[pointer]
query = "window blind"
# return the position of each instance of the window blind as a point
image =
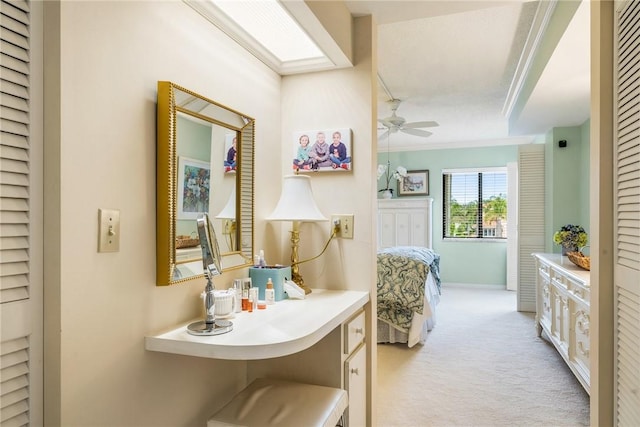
(475, 203)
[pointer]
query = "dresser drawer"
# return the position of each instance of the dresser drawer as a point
(354, 333)
(356, 385)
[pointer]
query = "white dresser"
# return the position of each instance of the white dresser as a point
(562, 310)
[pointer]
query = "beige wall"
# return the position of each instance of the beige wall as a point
(100, 153)
(337, 100)
(111, 56)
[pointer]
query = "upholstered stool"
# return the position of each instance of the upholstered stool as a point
(268, 402)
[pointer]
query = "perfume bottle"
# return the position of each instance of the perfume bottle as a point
(270, 293)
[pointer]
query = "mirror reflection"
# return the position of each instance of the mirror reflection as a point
(205, 165)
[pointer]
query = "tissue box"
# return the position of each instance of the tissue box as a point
(259, 277)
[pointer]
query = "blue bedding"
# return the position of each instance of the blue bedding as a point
(402, 273)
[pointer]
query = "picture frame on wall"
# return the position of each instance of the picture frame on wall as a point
(194, 180)
(322, 150)
(416, 183)
(230, 153)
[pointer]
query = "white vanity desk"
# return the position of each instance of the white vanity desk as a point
(318, 340)
(287, 327)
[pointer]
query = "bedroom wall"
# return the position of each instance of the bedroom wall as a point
(585, 174)
(567, 186)
(567, 198)
(474, 262)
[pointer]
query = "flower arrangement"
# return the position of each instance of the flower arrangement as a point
(385, 170)
(571, 236)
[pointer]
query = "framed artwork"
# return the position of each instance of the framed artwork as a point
(230, 152)
(194, 180)
(322, 150)
(416, 183)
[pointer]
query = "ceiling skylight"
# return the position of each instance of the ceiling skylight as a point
(270, 25)
(287, 36)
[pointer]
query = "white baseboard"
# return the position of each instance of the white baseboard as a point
(473, 286)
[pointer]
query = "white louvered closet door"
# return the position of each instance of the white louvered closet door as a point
(20, 220)
(627, 216)
(530, 221)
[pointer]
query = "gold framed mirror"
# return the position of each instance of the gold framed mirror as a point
(205, 159)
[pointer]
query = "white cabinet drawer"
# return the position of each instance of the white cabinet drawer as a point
(356, 385)
(354, 333)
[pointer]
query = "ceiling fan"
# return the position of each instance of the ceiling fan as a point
(396, 123)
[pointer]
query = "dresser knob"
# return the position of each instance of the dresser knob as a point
(359, 331)
(354, 371)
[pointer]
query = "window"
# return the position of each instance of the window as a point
(475, 203)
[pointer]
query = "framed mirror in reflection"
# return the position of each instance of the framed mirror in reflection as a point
(204, 165)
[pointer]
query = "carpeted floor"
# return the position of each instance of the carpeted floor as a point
(482, 365)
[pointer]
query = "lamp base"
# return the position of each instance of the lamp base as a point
(298, 280)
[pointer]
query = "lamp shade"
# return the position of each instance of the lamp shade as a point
(229, 210)
(296, 201)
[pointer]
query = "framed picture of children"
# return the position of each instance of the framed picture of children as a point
(322, 150)
(230, 152)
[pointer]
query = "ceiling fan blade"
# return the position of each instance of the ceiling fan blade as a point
(426, 124)
(416, 132)
(386, 123)
(384, 135)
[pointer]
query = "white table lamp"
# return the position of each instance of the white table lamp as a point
(297, 205)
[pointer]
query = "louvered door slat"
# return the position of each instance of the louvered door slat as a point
(627, 214)
(13, 179)
(14, 115)
(14, 18)
(13, 384)
(14, 414)
(14, 269)
(14, 89)
(13, 140)
(13, 153)
(15, 78)
(16, 308)
(15, 166)
(530, 222)
(13, 230)
(14, 217)
(13, 191)
(14, 294)
(12, 282)
(11, 49)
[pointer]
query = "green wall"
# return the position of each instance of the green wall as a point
(474, 262)
(195, 143)
(567, 180)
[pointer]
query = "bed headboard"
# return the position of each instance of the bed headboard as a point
(405, 222)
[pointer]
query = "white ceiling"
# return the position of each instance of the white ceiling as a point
(454, 62)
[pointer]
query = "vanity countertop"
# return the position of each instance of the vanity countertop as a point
(287, 327)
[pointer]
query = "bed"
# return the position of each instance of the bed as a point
(408, 291)
(408, 278)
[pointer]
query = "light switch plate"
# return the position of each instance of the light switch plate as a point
(108, 230)
(346, 225)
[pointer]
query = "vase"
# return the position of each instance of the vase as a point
(566, 250)
(386, 194)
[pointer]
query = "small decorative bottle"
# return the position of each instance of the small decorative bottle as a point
(270, 293)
